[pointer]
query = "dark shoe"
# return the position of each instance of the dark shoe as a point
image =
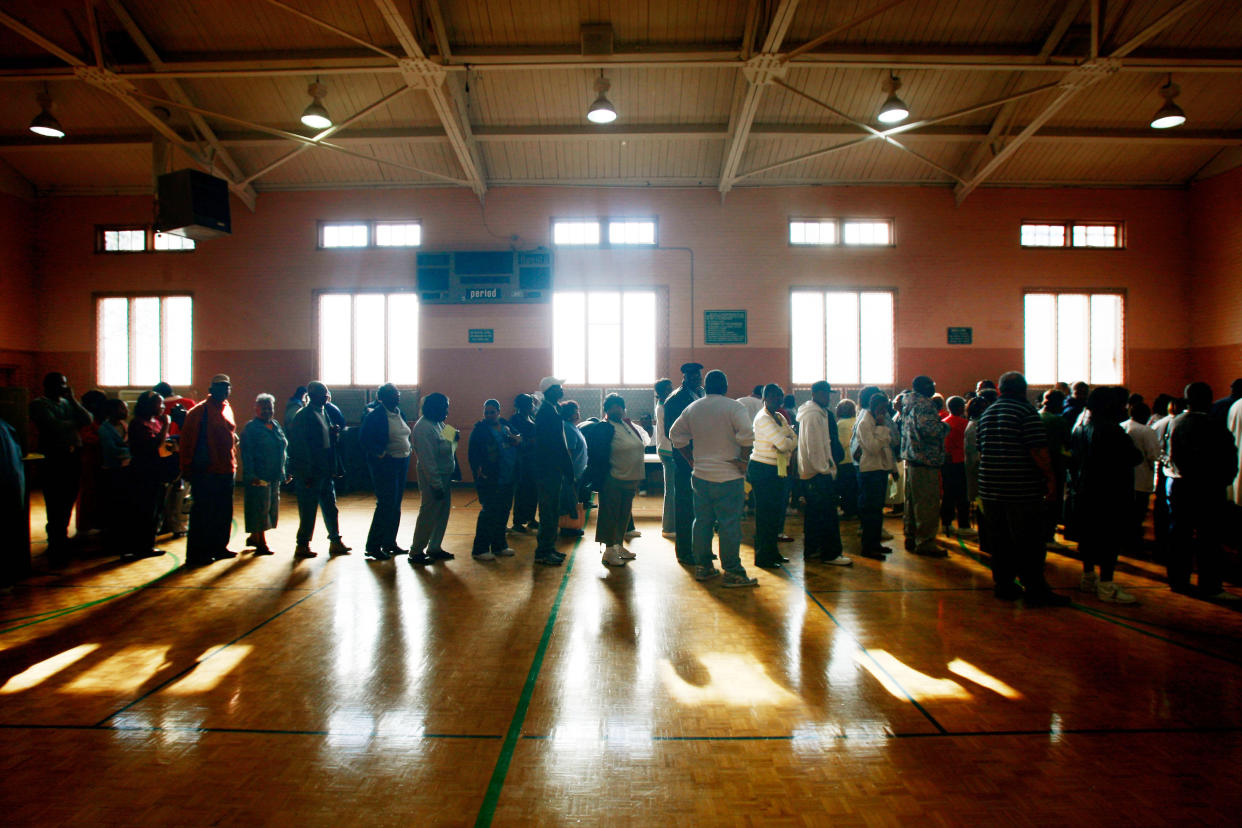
(1007, 592)
(338, 547)
(304, 551)
(377, 555)
(178, 535)
(910, 544)
(784, 539)
(155, 553)
(685, 561)
(874, 554)
(548, 560)
(262, 550)
(223, 554)
(1046, 598)
(419, 559)
(440, 555)
(397, 550)
(195, 563)
(519, 528)
(768, 564)
(930, 550)
(781, 558)
(534, 524)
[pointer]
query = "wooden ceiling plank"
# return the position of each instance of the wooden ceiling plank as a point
(836, 30)
(323, 24)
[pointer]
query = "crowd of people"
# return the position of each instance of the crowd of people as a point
(986, 464)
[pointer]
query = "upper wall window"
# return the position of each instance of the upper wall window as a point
(345, 234)
(368, 338)
(137, 238)
(142, 340)
(622, 232)
(1072, 234)
(1074, 336)
(842, 336)
(834, 232)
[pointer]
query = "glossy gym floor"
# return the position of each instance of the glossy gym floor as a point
(264, 691)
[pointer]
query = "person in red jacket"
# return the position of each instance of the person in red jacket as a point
(208, 461)
(953, 472)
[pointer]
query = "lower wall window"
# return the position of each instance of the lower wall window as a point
(843, 336)
(1074, 336)
(142, 340)
(368, 338)
(604, 337)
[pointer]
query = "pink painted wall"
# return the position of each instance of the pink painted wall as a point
(1215, 286)
(18, 319)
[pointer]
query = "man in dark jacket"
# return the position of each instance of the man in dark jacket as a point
(312, 461)
(677, 402)
(553, 467)
(59, 416)
(385, 441)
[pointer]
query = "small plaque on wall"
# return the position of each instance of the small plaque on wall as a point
(724, 327)
(961, 336)
(482, 335)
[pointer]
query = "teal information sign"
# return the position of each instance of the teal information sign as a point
(482, 335)
(724, 327)
(961, 336)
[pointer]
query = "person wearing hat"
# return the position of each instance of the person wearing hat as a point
(208, 438)
(312, 461)
(553, 468)
(683, 507)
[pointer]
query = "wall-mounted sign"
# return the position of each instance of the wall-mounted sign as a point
(482, 335)
(724, 327)
(961, 336)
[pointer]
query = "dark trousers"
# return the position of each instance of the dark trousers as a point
(62, 476)
(684, 513)
(1160, 516)
(489, 530)
(823, 531)
(1137, 516)
(847, 489)
(1196, 514)
(525, 494)
(145, 503)
(317, 496)
(872, 490)
(769, 490)
(616, 503)
(211, 516)
(114, 511)
(548, 486)
(953, 499)
(1054, 511)
(1016, 540)
(388, 476)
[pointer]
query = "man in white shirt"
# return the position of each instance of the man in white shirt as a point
(819, 451)
(722, 435)
(753, 403)
(1145, 440)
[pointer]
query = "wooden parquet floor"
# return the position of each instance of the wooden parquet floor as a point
(264, 691)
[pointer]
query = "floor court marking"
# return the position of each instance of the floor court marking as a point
(496, 785)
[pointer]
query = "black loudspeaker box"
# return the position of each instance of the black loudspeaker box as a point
(193, 204)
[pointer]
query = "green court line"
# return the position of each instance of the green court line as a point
(60, 613)
(494, 787)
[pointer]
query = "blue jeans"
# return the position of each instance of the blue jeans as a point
(388, 475)
(669, 521)
(718, 505)
(321, 494)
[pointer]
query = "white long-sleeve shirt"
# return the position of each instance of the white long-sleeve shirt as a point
(814, 442)
(774, 438)
(877, 445)
(661, 433)
(1148, 444)
(719, 429)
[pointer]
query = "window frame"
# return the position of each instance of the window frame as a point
(859, 290)
(148, 239)
(372, 226)
(661, 328)
(1069, 225)
(1088, 292)
(97, 296)
(605, 223)
(839, 223)
(318, 293)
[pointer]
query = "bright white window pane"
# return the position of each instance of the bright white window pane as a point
(345, 235)
(812, 232)
(113, 332)
(1043, 235)
(841, 319)
(865, 232)
(639, 338)
(631, 232)
(335, 335)
(125, 241)
(168, 241)
(569, 337)
(403, 338)
(575, 232)
(1073, 337)
(178, 340)
(603, 338)
(398, 234)
(876, 360)
(369, 339)
(806, 325)
(144, 331)
(1105, 340)
(1040, 322)
(1095, 235)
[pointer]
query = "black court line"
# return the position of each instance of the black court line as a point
(212, 654)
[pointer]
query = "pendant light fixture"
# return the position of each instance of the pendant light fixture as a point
(315, 115)
(45, 122)
(894, 110)
(602, 111)
(1170, 115)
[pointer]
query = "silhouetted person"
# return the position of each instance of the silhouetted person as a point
(312, 461)
(208, 461)
(59, 417)
(553, 467)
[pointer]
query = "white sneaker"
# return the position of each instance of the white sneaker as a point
(669, 535)
(633, 533)
(486, 556)
(840, 560)
(1090, 582)
(627, 554)
(612, 556)
(1113, 594)
(505, 553)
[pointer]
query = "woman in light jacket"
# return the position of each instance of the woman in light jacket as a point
(385, 440)
(263, 449)
(615, 467)
(873, 445)
(768, 471)
(435, 444)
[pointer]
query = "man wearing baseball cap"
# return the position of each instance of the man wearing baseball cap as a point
(553, 466)
(208, 437)
(683, 516)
